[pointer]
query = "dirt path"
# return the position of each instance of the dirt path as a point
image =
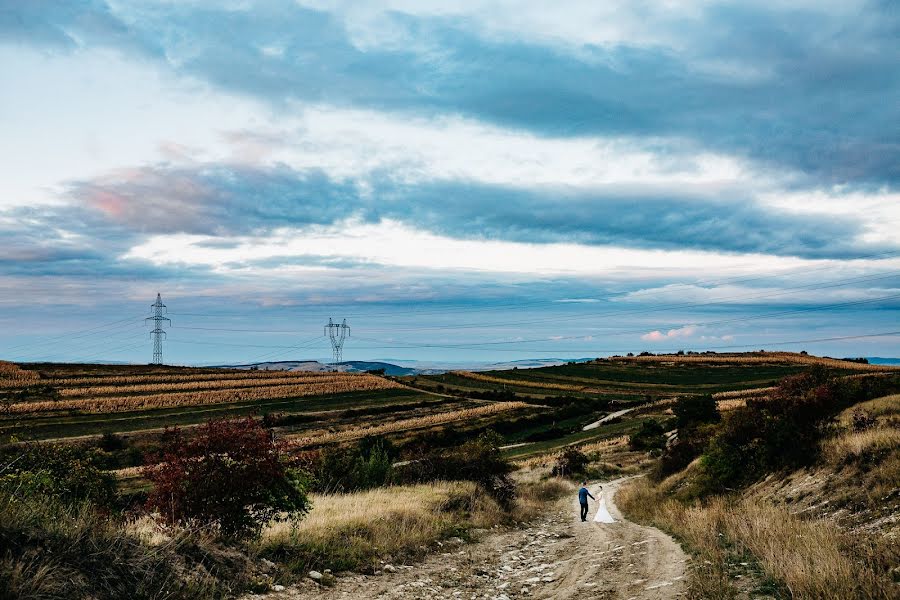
(557, 557)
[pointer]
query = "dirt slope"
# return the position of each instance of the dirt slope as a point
(557, 557)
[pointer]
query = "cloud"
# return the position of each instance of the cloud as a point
(672, 334)
(807, 88)
(230, 199)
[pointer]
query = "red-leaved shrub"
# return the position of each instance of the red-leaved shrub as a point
(229, 474)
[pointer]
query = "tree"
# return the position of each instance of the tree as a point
(231, 475)
(693, 410)
(650, 436)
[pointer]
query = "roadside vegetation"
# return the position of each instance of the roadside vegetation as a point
(792, 495)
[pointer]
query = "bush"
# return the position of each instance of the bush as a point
(691, 410)
(366, 465)
(67, 473)
(691, 443)
(571, 461)
(651, 436)
(231, 475)
(479, 460)
(785, 430)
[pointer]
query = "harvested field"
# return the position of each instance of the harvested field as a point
(327, 384)
(520, 382)
(406, 424)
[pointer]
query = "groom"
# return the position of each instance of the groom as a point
(583, 495)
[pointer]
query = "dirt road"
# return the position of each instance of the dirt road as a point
(557, 557)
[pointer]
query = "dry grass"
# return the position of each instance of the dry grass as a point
(810, 558)
(11, 375)
(750, 393)
(854, 445)
(548, 458)
(246, 382)
(606, 445)
(349, 383)
(175, 378)
(726, 405)
(406, 424)
(879, 408)
(351, 531)
(519, 382)
(756, 358)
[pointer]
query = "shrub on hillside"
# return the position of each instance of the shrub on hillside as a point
(570, 462)
(651, 436)
(692, 410)
(691, 443)
(229, 474)
(479, 460)
(785, 430)
(68, 473)
(362, 466)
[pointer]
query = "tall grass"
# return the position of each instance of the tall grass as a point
(749, 393)
(350, 531)
(50, 550)
(811, 558)
(405, 424)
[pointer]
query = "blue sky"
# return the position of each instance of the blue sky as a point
(461, 181)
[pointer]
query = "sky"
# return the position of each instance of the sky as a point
(461, 181)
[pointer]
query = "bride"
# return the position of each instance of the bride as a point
(602, 515)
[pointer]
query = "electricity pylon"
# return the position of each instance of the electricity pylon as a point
(158, 332)
(337, 334)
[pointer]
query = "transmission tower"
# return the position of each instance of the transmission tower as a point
(337, 334)
(158, 332)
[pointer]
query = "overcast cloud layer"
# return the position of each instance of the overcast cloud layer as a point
(487, 180)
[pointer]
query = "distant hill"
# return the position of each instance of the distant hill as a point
(350, 366)
(410, 367)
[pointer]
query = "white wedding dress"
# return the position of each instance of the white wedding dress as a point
(602, 515)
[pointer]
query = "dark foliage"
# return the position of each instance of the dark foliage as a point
(784, 431)
(229, 474)
(569, 463)
(479, 460)
(693, 410)
(651, 436)
(68, 473)
(862, 420)
(691, 443)
(362, 466)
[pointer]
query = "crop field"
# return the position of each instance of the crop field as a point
(584, 392)
(66, 401)
(534, 410)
